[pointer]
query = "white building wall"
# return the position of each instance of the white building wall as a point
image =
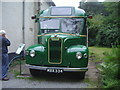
(44, 6)
(29, 23)
(12, 22)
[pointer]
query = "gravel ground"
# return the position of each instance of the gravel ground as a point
(50, 81)
(20, 83)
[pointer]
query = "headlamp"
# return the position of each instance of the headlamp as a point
(32, 53)
(78, 55)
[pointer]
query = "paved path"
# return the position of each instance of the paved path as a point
(49, 81)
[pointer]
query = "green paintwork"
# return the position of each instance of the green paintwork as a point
(71, 44)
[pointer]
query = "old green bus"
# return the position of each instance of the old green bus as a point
(62, 42)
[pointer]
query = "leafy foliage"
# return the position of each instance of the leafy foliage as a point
(104, 30)
(110, 34)
(110, 68)
(104, 27)
(92, 8)
(94, 27)
(110, 39)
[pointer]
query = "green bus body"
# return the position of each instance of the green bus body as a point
(60, 49)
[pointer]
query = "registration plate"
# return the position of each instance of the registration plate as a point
(54, 70)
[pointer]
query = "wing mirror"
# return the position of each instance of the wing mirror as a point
(33, 17)
(90, 16)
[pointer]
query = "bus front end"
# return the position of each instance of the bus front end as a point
(62, 42)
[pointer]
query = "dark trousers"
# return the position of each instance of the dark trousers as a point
(5, 62)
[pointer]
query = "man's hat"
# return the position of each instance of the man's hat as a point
(2, 32)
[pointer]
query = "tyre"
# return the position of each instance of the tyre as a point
(76, 75)
(80, 75)
(34, 72)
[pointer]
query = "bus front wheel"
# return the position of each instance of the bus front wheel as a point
(34, 72)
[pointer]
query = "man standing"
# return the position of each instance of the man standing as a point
(4, 43)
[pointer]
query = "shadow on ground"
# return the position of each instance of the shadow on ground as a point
(63, 77)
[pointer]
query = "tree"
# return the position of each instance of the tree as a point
(94, 25)
(104, 28)
(92, 8)
(110, 31)
(96, 10)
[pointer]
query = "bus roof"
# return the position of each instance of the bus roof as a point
(65, 11)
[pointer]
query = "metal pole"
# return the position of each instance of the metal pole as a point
(20, 66)
(87, 37)
(23, 30)
(23, 21)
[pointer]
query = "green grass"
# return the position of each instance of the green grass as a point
(91, 83)
(108, 59)
(98, 53)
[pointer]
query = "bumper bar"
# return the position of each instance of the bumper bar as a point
(62, 68)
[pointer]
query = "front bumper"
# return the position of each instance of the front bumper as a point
(65, 69)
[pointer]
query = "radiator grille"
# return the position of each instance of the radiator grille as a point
(55, 50)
